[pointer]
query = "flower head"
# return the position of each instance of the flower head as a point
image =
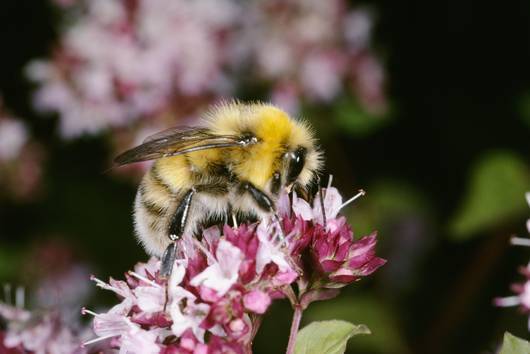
(215, 296)
(324, 246)
(38, 333)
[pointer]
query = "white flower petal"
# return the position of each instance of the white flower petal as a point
(211, 235)
(139, 341)
(332, 205)
(149, 298)
(222, 274)
(192, 318)
(110, 324)
(269, 252)
(301, 208)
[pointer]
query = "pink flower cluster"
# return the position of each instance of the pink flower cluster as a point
(521, 290)
(38, 333)
(319, 49)
(151, 62)
(215, 298)
(120, 60)
(58, 289)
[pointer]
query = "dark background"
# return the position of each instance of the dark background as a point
(457, 75)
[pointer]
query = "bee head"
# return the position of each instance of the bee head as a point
(297, 157)
(301, 163)
(283, 152)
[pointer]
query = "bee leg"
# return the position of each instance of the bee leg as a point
(301, 192)
(263, 201)
(176, 229)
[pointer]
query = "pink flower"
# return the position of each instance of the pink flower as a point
(335, 257)
(20, 158)
(215, 296)
(224, 270)
(13, 136)
(257, 301)
(139, 341)
(39, 334)
(189, 318)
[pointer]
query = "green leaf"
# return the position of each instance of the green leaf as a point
(514, 345)
(379, 317)
(327, 337)
(495, 195)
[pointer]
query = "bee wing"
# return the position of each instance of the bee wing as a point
(174, 133)
(177, 141)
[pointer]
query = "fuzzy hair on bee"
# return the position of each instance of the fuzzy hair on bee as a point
(235, 163)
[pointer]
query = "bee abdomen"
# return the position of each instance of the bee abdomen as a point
(152, 208)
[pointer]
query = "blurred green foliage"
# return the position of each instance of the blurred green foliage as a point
(10, 261)
(385, 200)
(495, 195)
(355, 120)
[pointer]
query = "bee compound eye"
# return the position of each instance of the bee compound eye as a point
(296, 163)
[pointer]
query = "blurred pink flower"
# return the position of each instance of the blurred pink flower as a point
(121, 60)
(38, 333)
(521, 297)
(13, 137)
(57, 291)
(20, 159)
(135, 65)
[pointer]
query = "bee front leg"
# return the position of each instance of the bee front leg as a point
(176, 229)
(262, 200)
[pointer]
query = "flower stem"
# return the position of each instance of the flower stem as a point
(297, 316)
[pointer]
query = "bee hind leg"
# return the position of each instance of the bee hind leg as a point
(176, 229)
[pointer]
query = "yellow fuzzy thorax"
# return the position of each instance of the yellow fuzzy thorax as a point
(274, 129)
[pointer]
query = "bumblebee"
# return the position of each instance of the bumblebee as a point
(236, 163)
